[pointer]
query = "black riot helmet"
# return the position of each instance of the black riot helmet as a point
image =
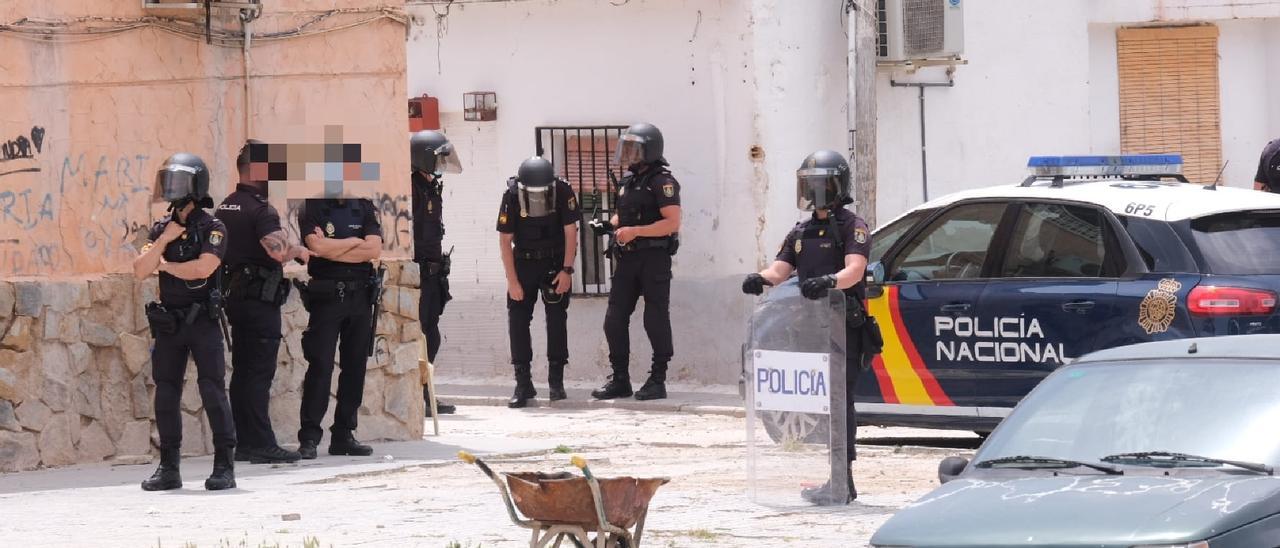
(183, 178)
(535, 187)
(431, 152)
(823, 181)
(639, 145)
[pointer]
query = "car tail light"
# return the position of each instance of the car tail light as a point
(1209, 300)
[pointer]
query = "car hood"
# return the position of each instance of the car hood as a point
(1081, 510)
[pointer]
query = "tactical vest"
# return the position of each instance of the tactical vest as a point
(185, 248)
(638, 204)
(819, 250)
(537, 233)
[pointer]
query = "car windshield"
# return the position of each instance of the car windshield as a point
(1239, 243)
(1223, 409)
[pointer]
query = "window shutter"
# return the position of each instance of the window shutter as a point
(1169, 100)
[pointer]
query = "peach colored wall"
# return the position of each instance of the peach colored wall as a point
(105, 112)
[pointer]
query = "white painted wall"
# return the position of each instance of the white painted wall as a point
(711, 75)
(1041, 79)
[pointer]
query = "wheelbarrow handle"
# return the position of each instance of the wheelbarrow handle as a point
(502, 488)
(598, 499)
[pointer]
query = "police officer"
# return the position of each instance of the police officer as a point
(827, 251)
(344, 238)
(431, 155)
(1268, 176)
(186, 247)
(256, 288)
(647, 221)
(538, 222)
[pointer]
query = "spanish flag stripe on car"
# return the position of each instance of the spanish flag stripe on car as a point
(902, 374)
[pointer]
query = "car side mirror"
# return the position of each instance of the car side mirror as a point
(950, 468)
(875, 279)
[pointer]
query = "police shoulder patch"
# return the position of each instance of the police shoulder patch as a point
(860, 235)
(502, 218)
(573, 203)
(798, 246)
(215, 237)
(669, 190)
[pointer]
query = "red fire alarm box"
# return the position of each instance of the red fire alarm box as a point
(424, 113)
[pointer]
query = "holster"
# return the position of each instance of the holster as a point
(872, 341)
(260, 283)
(161, 320)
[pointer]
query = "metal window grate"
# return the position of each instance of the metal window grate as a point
(922, 26)
(882, 30)
(583, 156)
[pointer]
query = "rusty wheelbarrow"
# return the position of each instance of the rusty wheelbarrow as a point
(564, 506)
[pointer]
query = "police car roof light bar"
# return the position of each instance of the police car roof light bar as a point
(1129, 166)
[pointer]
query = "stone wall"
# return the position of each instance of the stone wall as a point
(75, 372)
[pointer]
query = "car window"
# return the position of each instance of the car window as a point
(1195, 407)
(1239, 243)
(954, 246)
(1159, 245)
(887, 236)
(1057, 241)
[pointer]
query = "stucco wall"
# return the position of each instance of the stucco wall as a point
(107, 111)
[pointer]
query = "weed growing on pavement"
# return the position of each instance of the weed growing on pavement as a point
(563, 449)
(702, 534)
(456, 544)
(792, 445)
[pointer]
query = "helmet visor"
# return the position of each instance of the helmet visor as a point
(817, 188)
(630, 150)
(174, 182)
(536, 201)
(447, 159)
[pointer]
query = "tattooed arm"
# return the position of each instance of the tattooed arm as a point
(281, 249)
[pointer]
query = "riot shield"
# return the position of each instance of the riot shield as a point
(794, 370)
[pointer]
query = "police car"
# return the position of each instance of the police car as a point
(981, 294)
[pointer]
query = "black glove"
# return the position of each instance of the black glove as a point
(816, 288)
(754, 284)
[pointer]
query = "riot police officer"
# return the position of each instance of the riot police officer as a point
(431, 155)
(256, 288)
(1268, 176)
(647, 221)
(344, 237)
(828, 251)
(538, 222)
(186, 247)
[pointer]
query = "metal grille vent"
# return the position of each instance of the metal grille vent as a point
(922, 26)
(882, 30)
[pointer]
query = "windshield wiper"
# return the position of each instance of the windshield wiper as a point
(1167, 457)
(1048, 462)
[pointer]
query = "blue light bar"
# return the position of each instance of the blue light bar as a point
(1096, 166)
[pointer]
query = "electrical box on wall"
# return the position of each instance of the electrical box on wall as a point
(424, 113)
(914, 30)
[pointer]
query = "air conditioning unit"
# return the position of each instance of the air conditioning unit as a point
(916, 30)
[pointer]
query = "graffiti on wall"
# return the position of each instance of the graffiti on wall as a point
(22, 147)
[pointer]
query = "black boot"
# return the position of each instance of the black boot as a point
(166, 476)
(441, 407)
(346, 444)
(271, 455)
(555, 381)
(307, 449)
(822, 496)
(224, 470)
(524, 387)
(619, 386)
(243, 454)
(656, 387)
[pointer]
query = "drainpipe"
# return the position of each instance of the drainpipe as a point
(924, 159)
(246, 23)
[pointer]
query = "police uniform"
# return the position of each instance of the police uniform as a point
(428, 233)
(184, 324)
(814, 250)
(643, 268)
(1269, 167)
(539, 257)
(255, 291)
(340, 301)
